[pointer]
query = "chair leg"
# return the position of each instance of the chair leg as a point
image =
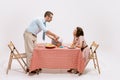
(11, 58)
(21, 59)
(20, 63)
(9, 63)
(97, 63)
(94, 60)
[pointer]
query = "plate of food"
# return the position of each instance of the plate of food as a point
(49, 46)
(71, 47)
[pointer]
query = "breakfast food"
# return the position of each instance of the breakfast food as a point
(72, 46)
(48, 45)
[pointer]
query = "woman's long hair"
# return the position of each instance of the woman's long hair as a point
(79, 32)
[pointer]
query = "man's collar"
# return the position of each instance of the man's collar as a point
(44, 20)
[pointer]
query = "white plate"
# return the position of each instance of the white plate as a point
(69, 47)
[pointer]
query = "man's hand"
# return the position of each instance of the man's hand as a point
(56, 38)
(52, 35)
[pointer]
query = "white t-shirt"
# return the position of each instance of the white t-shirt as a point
(77, 41)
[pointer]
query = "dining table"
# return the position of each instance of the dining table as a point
(62, 57)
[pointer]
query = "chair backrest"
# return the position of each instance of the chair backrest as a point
(13, 49)
(94, 47)
(15, 52)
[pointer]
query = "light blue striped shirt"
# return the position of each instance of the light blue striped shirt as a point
(37, 26)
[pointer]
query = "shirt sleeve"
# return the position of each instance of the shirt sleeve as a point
(41, 25)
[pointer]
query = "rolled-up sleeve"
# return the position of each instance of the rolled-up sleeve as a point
(41, 25)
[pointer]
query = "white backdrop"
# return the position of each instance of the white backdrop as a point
(99, 19)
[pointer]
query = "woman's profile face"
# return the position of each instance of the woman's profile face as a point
(74, 32)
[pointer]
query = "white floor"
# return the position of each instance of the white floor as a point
(109, 64)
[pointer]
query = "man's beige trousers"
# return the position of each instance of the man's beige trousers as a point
(29, 41)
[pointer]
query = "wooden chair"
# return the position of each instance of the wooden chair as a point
(14, 54)
(93, 55)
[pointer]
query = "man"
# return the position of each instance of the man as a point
(30, 34)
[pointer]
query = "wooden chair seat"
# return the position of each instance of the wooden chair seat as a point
(23, 55)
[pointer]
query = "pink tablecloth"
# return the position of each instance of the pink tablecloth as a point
(59, 58)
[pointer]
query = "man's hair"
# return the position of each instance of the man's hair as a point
(79, 32)
(48, 13)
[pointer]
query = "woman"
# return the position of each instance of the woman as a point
(78, 42)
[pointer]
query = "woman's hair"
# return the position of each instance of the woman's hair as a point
(79, 32)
